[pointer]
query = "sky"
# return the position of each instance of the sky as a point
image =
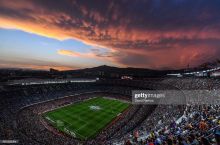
(73, 34)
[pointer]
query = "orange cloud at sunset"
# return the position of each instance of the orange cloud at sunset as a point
(68, 53)
(95, 54)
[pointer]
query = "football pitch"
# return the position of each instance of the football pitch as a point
(85, 119)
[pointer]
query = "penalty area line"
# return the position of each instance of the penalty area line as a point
(74, 131)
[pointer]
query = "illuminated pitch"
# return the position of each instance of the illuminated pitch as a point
(85, 119)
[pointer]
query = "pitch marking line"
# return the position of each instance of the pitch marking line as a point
(69, 125)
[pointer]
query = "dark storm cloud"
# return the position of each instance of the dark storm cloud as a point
(144, 31)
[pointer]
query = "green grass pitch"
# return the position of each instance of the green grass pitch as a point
(85, 119)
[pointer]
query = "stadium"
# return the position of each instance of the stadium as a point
(109, 72)
(101, 112)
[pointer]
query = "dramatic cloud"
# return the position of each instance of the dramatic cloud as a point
(145, 33)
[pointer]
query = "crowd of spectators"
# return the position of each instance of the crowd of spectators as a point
(199, 125)
(190, 124)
